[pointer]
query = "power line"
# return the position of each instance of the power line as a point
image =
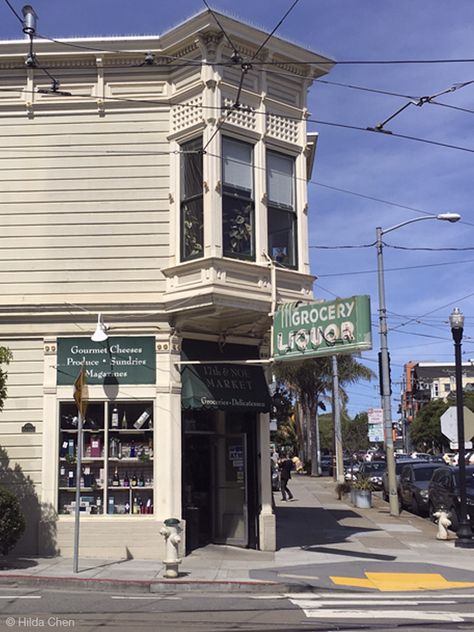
(344, 247)
(13, 11)
(376, 199)
(426, 265)
(270, 35)
(463, 298)
(444, 249)
(317, 121)
(221, 27)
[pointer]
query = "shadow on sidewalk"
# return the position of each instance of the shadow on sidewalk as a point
(9, 563)
(311, 526)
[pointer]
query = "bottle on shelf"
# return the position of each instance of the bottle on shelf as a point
(63, 449)
(135, 506)
(119, 449)
(81, 481)
(62, 476)
(115, 419)
(116, 479)
(126, 480)
(133, 450)
(98, 502)
(113, 448)
(148, 507)
(141, 480)
(70, 478)
(150, 448)
(124, 421)
(146, 414)
(71, 421)
(127, 507)
(134, 481)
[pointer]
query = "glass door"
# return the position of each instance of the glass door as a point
(230, 475)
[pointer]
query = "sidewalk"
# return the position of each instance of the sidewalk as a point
(318, 538)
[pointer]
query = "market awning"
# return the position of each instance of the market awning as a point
(224, 386)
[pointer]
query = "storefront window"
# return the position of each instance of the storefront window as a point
(117, 458)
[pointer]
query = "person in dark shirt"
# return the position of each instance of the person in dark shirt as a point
(285, 465)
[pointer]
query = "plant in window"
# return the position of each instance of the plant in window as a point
(193, 231)
(240, 230)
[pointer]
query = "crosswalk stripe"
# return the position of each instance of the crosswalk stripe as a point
(425, 615)
(20, 596)
(367, 602)
(375, 597)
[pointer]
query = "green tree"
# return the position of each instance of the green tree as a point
(12, 521)
(310, 382)
(425, 431)
(5, 357)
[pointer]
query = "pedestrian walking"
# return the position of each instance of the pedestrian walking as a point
(285, 465)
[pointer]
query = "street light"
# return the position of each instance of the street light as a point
(456, 320)
(384, 356)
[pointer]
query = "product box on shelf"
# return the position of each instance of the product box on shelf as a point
(96, 447)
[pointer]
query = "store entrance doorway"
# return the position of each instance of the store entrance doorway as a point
(218, 503)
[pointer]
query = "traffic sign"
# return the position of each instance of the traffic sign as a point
(449, 424)
(455, 446)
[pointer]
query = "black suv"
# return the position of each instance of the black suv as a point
(443, 493)
(413, 485)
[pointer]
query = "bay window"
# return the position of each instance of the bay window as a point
(238, 222)
(281, 209)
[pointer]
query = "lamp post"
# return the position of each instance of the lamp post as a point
(384, 376)
(456, 320)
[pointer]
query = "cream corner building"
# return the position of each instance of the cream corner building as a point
(167, 192)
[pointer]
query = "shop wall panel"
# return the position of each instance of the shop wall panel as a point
(83, 187)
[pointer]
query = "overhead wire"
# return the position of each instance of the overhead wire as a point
(437, 309)
(289, 117)
(380, 200)
(414, 267)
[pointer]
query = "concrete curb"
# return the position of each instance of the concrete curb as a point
(154, 586)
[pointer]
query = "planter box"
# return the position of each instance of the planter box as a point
(363, 498)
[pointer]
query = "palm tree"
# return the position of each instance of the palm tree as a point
(310, 382)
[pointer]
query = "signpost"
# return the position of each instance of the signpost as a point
(322, 329)
(81, 397)
(376, 425)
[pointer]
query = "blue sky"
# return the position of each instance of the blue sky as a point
(428, 178)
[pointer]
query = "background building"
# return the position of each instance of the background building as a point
(162, 184)
(425, 381)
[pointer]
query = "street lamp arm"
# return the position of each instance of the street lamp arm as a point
(448, 217)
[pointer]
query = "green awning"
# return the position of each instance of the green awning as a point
(222, 386)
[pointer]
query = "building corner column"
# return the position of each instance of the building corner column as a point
(167, 436)
(266, 517)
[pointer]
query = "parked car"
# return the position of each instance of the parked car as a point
(373, 470)
(413, 486)
(326, 464)
(399, 463)
(443, 493)
(436, 458)
(351, 471)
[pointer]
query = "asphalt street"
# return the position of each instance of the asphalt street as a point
(47, 609)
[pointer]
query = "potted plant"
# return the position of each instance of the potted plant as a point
(342, 489)
(362, 492)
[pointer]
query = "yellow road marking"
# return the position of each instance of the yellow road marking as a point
(387, 582)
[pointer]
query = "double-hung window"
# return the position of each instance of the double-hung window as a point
(191, 204)
(281, 209)
(238, 216)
